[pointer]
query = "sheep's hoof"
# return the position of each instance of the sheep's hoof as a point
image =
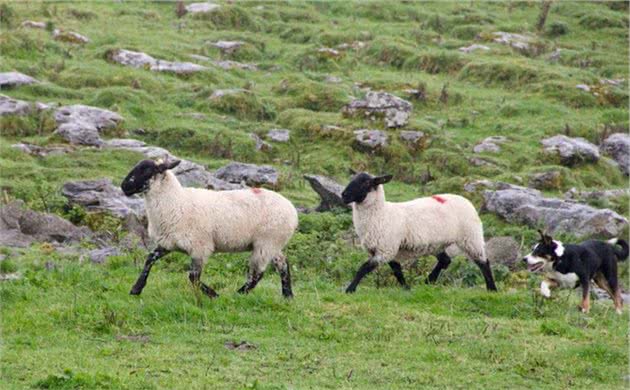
(350, 290)
(288, 295)
(135, 291)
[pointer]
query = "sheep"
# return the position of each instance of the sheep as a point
(390, 231)
(201, 222)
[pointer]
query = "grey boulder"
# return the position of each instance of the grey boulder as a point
(328, 190)
(14, 79)
(250, 174)
(618, 147)
(394, 110)
(571, 151)
(370, 140)
(103, 196)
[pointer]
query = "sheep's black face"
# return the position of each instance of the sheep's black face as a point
(361, 185)
(138, 180)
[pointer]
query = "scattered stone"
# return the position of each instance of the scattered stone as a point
(473, 48)
(279, 135)
(20, 227)
(219, 93)
(99, 256)
(328, 52)
(525, 205)
(618, 147)
(102, 196)
(242, 346)
(490, 145)
(614, 82)
(333, 79)
(575, 194)
(550, 180)
(395, 110)
(504, 250)
(250, 174)
(583, 87)
(370, 140)
(10, 106)
(555, 55)
(9, 277)
(481, 162)
(228, 47)
(199, 58)
(261, 145)
(33, 24)
(572, 151)
(136, 59)
(70, 37)
(516, 41)
(80, 124)
(356, 45)
(229, 65)
(14, 79)
(328, 190)
(201, 8)
(601, 294)
(42, 151)
(413, 138)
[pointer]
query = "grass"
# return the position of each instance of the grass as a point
(76, 327)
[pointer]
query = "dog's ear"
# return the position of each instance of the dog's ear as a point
(547, 239)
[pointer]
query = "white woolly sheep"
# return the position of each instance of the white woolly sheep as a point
(423, 226)
(201, 222)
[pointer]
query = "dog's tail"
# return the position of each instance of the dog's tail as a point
(622, 253)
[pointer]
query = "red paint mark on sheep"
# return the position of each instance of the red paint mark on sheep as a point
(439, 199)
(256, 191)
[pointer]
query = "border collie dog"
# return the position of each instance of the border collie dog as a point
(570, 266)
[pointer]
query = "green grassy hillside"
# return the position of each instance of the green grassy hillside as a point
(67, 324)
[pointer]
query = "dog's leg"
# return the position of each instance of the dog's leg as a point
(607, 280)
(586, 297)
(546, 286)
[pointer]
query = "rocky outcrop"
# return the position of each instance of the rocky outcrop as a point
(20, 227)
(261, 145)
(550, 180)
(279, 135)
(370, 140)
(572, 151)
(249, 174)
(416, 139)
(524, 205)
(10, 106)
(328, 190)
(70, 37)
(201, 8)
(227, 47)
(376, 105)
(102, 196)
(504, 250)
(33, 24)
(618, 147)
(41, 151)
(473, 48)
(136, 59)
(575, 194)
(490, 145)
(14, 79)
(81, 125)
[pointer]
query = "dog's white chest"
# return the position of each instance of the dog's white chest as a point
(565, 280)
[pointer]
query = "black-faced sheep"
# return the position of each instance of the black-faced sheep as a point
(423, 226)
(201, 222)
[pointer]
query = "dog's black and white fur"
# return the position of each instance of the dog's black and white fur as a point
(570, 266)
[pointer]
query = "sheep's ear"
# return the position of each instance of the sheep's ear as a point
(382, 179)
(168, 165)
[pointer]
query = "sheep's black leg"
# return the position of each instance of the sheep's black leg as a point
(285, 278)
(195, 278)
(365, 269)
(395, 266)
(484, 266)
(142, 279)
(443, 262)
(252, 281)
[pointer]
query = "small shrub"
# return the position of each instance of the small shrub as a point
(383, 52)
(596, 22)
(557, 28)
(7, 14)
(439, 62)
(7, 266)
(466, 32)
